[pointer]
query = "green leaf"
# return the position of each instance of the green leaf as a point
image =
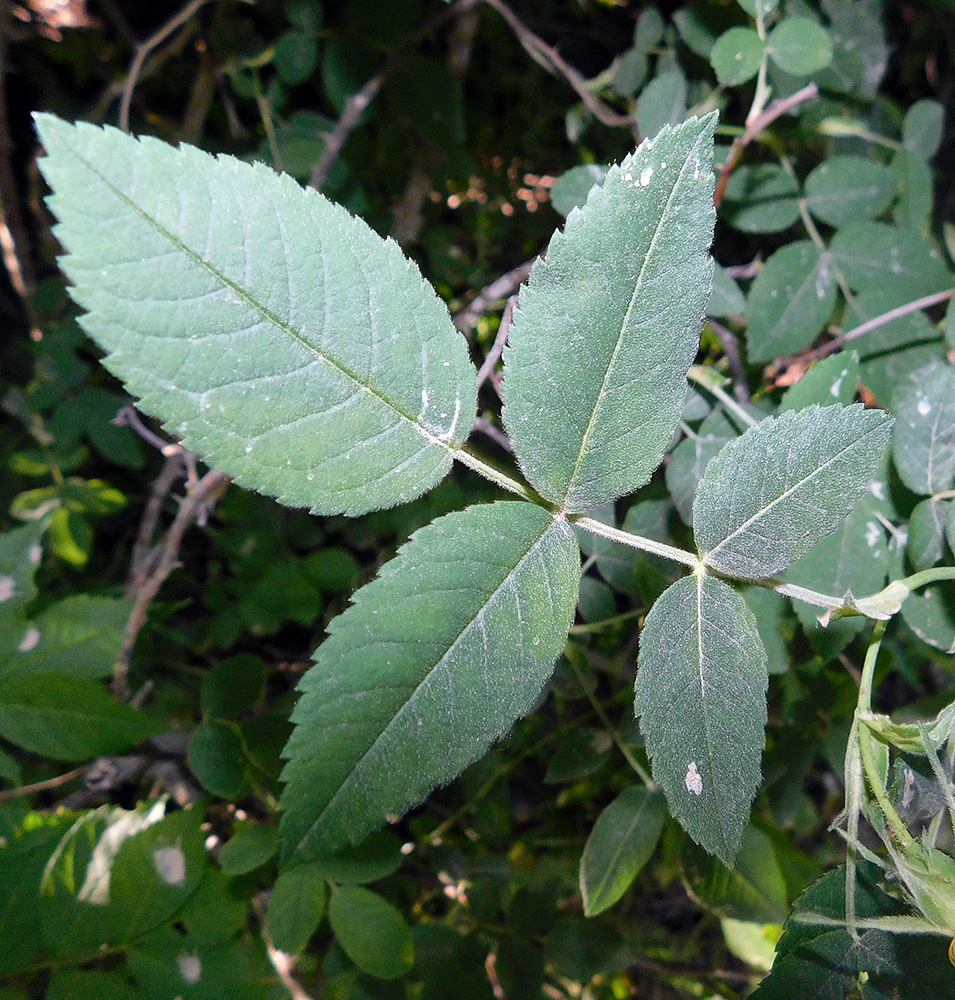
(68, 718)
(930, 614)
(799, 46)
(433, 662)
(700, 695)
(249, 847)
(571, 189)
(922, 128)
(771, 494)
(618, 300)
(833, 379)
(790, 301)
(216, 758)
(916, 185)
(20, 554)
(761, 199)
(296, 907)
(296, 57)
(620, 844)
(874, 256)
(754, 889)
(155, 872)
(824, 961)
(923, 439)
(376, 857)
(727, 298)
(232, 686)
(662, 102)
(846, 189)
(79, 635)
(320, 368)
(581, 753)
(688, 461)
(926, 543)
(736, 56)
(372, 932)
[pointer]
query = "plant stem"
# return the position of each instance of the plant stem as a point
(495, 475)
(704, 379)
(636, 541)
(612, 730)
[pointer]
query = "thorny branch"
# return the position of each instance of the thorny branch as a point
(830, 346)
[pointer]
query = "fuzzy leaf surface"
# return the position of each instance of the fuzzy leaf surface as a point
(434, 661)
(609, 323)
(276, 334)
(786, 483)
(700, 694)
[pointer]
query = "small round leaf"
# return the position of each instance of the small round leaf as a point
(737, 56)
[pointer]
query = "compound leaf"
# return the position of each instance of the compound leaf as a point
(434, 661)
(771, 494)
(700, 695)
(274, 333)
(609, 323)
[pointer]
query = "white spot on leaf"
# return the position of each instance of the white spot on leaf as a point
(646, 177)
(877, 489)
(170, 864)
(693, 779)
(924, 407)
(873, 533)
(190, 967)
(36, 551)
(8, 587)
(30, 639)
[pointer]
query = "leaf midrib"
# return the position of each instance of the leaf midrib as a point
(425, 677)
(257, 306)
(638, 284)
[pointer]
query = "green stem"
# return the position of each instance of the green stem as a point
(703, 377)
(612, 730)
(495, 475)
(636, 541)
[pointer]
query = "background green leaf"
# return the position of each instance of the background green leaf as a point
(790, 300)
(296, 907)
(620, 844)
(737, 55)
(923, 439)
(604, 305)
(68, 718)
(372, 932)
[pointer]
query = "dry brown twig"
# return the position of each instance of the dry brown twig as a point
(551, 60)
(151, 565)
(145, 47)
(357, 103)
(759, 124)
(831, 346)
